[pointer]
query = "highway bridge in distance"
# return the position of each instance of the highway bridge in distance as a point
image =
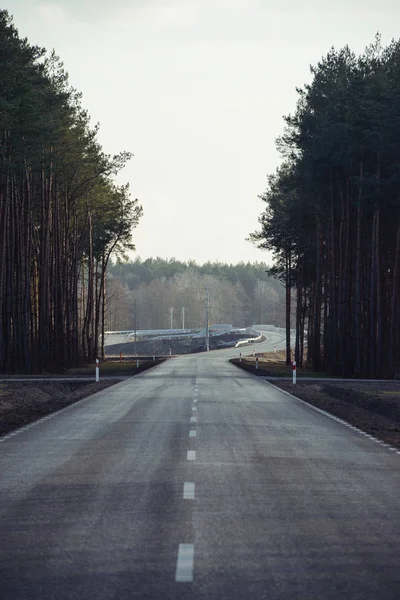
(197, 481)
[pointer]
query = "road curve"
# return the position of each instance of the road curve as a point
(195, 480)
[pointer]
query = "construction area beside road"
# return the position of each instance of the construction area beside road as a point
(185, 345)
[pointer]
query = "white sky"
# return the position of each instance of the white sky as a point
(196, 89)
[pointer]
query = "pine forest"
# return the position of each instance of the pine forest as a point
(61, 214)
(331, 219)
(332, 213)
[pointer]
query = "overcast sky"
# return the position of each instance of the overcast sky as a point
(196, 89)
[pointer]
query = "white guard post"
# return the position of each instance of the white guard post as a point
(137, 362)
(97, 370)
(154, 356)
(240, 357)
(274, 348)
(294, 371)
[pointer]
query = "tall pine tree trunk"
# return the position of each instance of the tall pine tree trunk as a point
(394, 309)
(288, 304)
(357, 277)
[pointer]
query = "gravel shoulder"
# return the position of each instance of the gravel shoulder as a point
(24, 402)
(372, 406)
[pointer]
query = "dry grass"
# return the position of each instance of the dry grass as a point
(278, 356)
(114, 368)
(273, 364)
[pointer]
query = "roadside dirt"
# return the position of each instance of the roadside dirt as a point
(24, 402)
(371, 406)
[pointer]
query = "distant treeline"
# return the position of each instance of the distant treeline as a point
(61, 214)
(332, 214)
(240, 294)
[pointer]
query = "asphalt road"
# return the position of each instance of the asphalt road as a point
(195, 480)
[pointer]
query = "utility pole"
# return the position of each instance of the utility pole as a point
(183, 317)
(171, 310)
(207, 321)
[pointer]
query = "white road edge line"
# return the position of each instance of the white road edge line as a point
(324, 412)
(184, 563)
(7, 436)
(188, 490)
(191, 454)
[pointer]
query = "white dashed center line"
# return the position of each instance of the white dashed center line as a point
(191, 454)
(184, 563)
(194, 408)
(192, 433)
(188, 490)
(193, 419)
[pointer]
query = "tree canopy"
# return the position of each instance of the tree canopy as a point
(62, 216)
(332, 214)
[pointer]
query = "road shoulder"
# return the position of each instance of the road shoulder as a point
(373, 407)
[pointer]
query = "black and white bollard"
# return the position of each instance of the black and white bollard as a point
(137, 362)
(97, 370)
(274, 348)
(240, 357)
(294, 371)
(257, 362)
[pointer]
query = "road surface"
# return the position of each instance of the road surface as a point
(195, 480)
